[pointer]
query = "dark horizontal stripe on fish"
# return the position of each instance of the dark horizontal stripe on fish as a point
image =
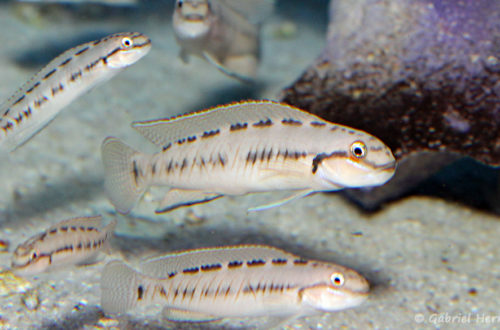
(300, 262)
(66, 61)
(193, 270)
(263, 123)
(291, 121)
(206, 268)
(81, 51)
(279, 261)
(19, 100)
(238, 126)
(210, 133)
(49, 74)
(256, 262)
(317, 124)
(234, 264)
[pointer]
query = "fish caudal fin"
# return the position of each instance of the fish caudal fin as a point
(119, 291)
(121, 182)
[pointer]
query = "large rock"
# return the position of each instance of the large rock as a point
(422, 75)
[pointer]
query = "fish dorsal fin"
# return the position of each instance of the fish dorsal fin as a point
(169, 264)
(256, 11)
(95, 222)
(164, 132)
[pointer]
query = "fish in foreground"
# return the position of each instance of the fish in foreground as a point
(70, 242)
(253, 146)
(224, 32)
(234, 281)
(64, 79)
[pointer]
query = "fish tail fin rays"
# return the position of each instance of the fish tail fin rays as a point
(109, 229)
(121, 175)
(118, 288)
(295, 195)
(176, 198)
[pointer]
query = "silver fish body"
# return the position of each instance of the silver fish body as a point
(234, 281)
(218, 32)
(70, 242)
(253, 146)
(64, 79)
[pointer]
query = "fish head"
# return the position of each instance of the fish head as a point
(126, 49)
(192, 18)
(28, 260)
(359, 160)
(340, 288)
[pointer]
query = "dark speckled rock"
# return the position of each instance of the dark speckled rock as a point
(422, 75)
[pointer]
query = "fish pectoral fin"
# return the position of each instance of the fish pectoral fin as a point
(295, 195)
(91, 260)
(184, 56)
(212, 60)
(177, 198)
(182, 315)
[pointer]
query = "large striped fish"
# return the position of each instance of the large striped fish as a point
(65, 78)
(234, 281)
(246, 147)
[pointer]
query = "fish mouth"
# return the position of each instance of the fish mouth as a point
(194, 17)
(391, 166)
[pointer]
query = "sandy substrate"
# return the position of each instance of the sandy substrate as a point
(427, 260)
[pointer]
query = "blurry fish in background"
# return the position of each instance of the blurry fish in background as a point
(76, 241)
(117, 3)
(224, 32)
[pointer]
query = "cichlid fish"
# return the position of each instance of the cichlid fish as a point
(70, 242)
(224, 32)
(234, 281)
(64, 79)
(240, 148)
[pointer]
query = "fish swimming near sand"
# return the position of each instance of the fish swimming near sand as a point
(63, 80)
(224, 32)
(70, 242)
(252, 146)
(234, 281)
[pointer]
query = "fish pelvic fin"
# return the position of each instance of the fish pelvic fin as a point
(176, 198)
(120, 288)
(296, 195)
(122, 180)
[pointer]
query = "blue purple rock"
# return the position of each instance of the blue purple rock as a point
(422, 75)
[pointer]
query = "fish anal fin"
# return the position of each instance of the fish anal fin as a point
(294, 195)
(182, 315)
(176, 198)
(227, 71)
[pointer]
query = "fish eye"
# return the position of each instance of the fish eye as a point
(337, 279)
(127, 42)
(34, 256)
(358, 149)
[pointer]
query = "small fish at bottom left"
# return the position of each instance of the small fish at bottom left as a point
(75, 241)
